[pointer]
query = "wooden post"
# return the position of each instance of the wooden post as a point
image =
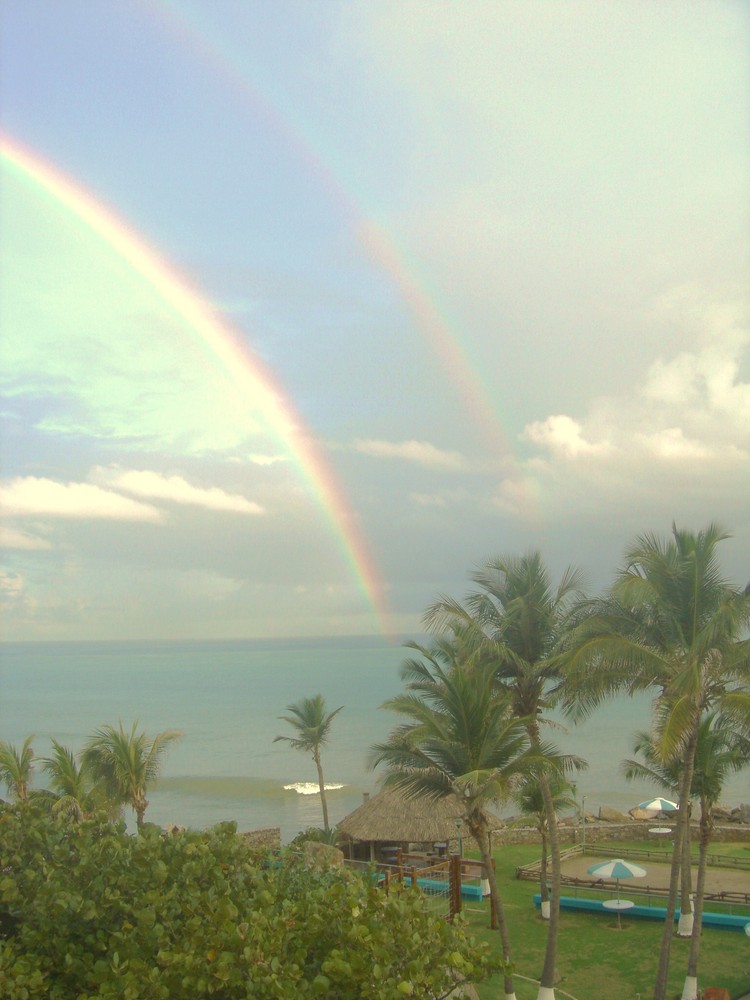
(455, 884)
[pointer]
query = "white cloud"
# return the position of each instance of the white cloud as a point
(706, 384)
(145, 483)
(677, 443)
(11, 538)
(429, 499)
(258, 459)
(11, 587)
(563, 436)
(208, 585)
(692, 405)
(419, 452)
(30, 496)
(671, 444)
(517, 497)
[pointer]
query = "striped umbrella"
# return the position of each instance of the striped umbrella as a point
(659, 805)
(616, 869)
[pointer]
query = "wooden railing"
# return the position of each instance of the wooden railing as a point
(417, 870)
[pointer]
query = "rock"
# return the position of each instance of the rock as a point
(263, 840)
(610, 815)
(744, 813)
(637, 813)
(322, 855)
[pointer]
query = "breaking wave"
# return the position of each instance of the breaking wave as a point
(310, 787)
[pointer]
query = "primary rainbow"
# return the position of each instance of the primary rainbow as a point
(227, 352)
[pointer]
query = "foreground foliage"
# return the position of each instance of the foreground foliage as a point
(95, 912)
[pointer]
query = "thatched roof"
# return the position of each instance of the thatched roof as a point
(391, 817)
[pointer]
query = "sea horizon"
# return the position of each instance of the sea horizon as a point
(226, 697)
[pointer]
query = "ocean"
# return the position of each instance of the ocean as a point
(226, 697)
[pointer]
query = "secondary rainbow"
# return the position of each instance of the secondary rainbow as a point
(246, 373)
(198, 35)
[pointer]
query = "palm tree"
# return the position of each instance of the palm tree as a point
(721, 750)
(665, 775)
(16, 767)
(516, 620)
(670, 622)
(459, 738)
(76, 793)
(127, 763)
(531, 801)
(312, 725)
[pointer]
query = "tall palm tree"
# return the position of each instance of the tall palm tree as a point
(76, 792)
(673, 623)
(127, 763)
(722, 749)
(16, 767)
(459, 737)
(312, 725)
(516, 620)
(651, 767)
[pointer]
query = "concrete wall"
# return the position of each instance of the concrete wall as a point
(597, 831)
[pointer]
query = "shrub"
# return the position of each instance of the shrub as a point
(93, 912)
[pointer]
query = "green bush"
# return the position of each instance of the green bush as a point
(93, 912)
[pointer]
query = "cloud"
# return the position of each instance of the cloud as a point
(153, 485)
(563, 436)
(208, 585)
(679, 439)
(705, 384)
(692, 405)
(419, 452)
(10, 538)
(11, 586)
(257, 459)
(29, 496)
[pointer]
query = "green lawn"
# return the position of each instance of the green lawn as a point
(595, 960)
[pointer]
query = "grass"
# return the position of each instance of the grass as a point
(595, 960)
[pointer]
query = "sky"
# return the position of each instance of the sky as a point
(307, 310)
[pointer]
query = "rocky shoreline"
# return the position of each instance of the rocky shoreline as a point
(730, 824)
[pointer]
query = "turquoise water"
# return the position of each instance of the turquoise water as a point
(226, 698)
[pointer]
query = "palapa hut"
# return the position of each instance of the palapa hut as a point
(389, 819)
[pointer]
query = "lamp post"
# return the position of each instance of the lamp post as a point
(583, 825)
(458, 831)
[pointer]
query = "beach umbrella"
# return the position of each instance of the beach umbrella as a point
(659, 805)
(616, 869)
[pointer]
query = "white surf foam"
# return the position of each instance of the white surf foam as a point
(309, 787)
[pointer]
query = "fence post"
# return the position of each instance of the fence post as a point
(493, 902)
(455, 885)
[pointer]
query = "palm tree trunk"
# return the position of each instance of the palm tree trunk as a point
(140, 811)
(690, 989)
(547, 979)
(322, 786)
(480, 832)
(683, 819)
(685, 924)
(543, 886)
